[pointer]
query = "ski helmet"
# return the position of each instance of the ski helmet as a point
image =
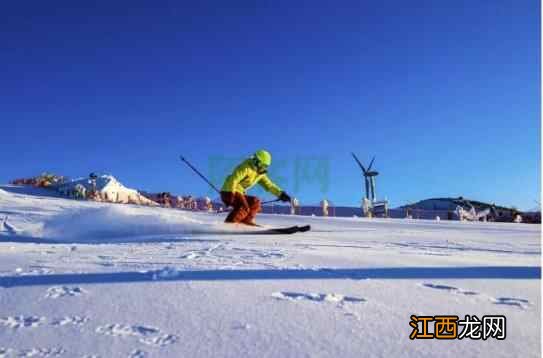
(264, 157)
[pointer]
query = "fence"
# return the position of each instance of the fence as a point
(347, 211)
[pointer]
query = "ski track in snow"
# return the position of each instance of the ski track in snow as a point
(439, 248)
(219, 255)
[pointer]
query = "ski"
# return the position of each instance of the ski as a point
(264, 230)
(285, 230)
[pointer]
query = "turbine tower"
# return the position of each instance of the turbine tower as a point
(369, 178)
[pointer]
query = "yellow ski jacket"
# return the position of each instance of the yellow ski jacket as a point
(245, 176)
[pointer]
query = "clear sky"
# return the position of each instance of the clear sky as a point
(445, 93)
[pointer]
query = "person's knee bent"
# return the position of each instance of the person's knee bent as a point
(254, 203)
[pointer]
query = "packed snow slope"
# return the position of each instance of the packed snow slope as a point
(84, 279)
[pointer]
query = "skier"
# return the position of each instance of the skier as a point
(250, 172)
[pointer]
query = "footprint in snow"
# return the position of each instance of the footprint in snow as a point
(450, 289)
(241, 326)
(316, 297)
(146, 335)
(137, 354)
(17, 322)
(33, 272)
(159, 341)
(123, 330)
(165, 273)
(73, 320)
(510, 301)
(32, 352)
(6, 352)
(63, 291)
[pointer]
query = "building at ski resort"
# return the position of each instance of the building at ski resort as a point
(447, 208)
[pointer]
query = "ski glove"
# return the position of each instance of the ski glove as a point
(284, 197)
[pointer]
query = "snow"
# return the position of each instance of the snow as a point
(87, 279)
(109, 188)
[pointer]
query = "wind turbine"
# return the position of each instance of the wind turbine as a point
(369, 178)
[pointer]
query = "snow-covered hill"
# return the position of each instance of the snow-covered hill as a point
(84, 279)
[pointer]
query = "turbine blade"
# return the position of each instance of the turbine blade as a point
(371, 163)
(360, 164)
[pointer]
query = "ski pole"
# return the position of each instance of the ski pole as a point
(270, 201)
(200, 174)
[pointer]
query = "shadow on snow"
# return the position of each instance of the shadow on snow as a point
(108, 240)
(473, 272)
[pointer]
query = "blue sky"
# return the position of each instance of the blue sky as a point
(445, 93)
